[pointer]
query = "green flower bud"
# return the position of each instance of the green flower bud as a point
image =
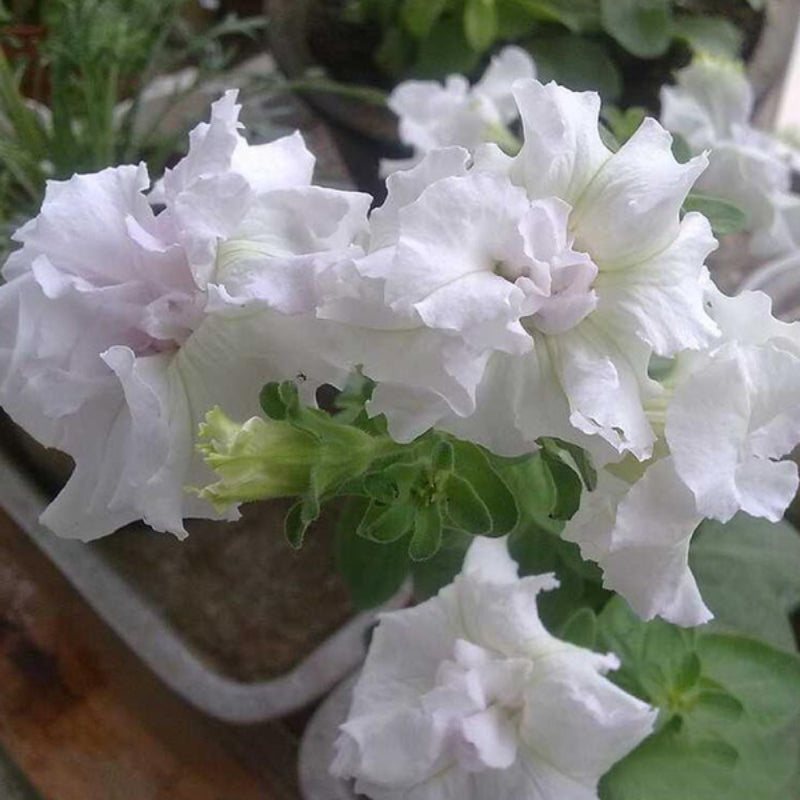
(268, 458)
(260, 459)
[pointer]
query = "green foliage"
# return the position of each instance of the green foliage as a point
(725, 217)
(580, 629)
(424, 500)
(715, 35)
(576, 15)
(681, 149)
(480, 23)
(419, 16)
(643, 27)
(577, 62)
(441, 569)
(89, 73)
(418, 490)
(748, 571)
(538, 548)
(575, 42)
(373, 571)
(623, 124)
(445, 51)
(728, 708)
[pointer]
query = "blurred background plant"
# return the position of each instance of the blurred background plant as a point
(76, 80)
(584, 44)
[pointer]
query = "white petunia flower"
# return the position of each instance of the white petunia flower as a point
(468, 696)
(710, 107)
(729, 416)
(120, 328)
(432, 115)
(556, 272)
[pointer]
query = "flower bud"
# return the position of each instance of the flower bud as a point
(268, 458)
(259, 459)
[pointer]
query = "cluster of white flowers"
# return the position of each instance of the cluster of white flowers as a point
(499, 298)
(726, 417)
(432, 115)
(468, 696)
(559, 292)
(711, 107)
(120, 327)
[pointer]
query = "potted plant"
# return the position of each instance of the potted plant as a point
(546, 416)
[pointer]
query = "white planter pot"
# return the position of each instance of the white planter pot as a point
(316, 748)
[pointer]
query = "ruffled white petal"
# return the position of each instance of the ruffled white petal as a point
(579, 724)
(511, 64)
(747, 318)
(726, 424)
(661, 300)
(468, 696)
(712, 97)
(605, 384)
(640, 537)
(210, 190)
(433, 115)
(630, 211)
(286, 239)
(710, 107)
(404, 187)
(562, 150)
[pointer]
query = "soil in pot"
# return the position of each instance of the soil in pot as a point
(243, 599)
(247, 604)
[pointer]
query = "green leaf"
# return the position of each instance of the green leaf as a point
(568, 486)
(373, 572)
(294, 526)
(725, 217)
(580, 629)
(680, 149)
(729, 711)
(531, 482)
(394, 52)
(427, 533)
(715, 35)
(668, 766)
(271, 401)
(419, 16)
(538, 548)
(513, 21)
(404, 476)
(480, 23)
(576, 62)
(653, 654)
(688, 673)
(575, 457)
(465, 509)
(642, 27)
(379, 486)
(579, 16)
(625, 123)
(445, 51)
(765, 680)
(443, 457)
(386, 523)
(350, 405)
(474, 467)
(748, 571)
(441, 569)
